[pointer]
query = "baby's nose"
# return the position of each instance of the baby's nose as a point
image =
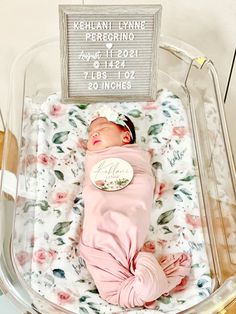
(95, 134)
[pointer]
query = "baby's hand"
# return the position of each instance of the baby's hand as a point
(82, 144)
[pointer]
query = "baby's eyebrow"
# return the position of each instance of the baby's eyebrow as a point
(100, 126)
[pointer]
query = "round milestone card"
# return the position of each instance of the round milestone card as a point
(111, 174)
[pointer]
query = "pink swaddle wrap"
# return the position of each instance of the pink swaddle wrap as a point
(114, 230)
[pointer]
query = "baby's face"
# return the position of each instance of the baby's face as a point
(103, 134)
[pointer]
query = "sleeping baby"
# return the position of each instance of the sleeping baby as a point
(116, 219)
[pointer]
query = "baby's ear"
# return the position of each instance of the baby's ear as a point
(126, 137)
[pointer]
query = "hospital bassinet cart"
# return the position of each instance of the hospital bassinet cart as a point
(192, 77)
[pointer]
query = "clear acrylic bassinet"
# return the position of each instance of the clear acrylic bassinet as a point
(192, 77)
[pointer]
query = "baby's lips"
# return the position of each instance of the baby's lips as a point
(96, 141)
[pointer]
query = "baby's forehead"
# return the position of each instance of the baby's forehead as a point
(98, 122)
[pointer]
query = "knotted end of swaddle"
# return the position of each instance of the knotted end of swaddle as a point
(142, 281)
(147, 283)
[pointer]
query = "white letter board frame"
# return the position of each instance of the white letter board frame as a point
(109, 53)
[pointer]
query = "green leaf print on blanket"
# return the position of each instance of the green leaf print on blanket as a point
(83, 310)
(188, 178)
(166, 217)
(155, 129)
(82, 106)
(157, 165)
(165, 299)
(61, 228)
(178, 198)
(166, 113)
(43, 205)
(202, 282)
(59, 273)
(78, 117)
(135, 113)
(73, 113)
(59, 174)
(60, 137)
(72, 122)
(43, 117)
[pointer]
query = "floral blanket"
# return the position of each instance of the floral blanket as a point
(50, 207)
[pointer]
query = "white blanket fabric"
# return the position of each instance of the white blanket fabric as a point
(52, 162)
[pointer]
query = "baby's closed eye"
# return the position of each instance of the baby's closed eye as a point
(97, 130)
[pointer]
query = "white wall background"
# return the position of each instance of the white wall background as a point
(208, 25)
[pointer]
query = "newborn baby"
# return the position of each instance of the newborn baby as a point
(116, 222)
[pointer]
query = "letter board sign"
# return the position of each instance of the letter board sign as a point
(109, 53)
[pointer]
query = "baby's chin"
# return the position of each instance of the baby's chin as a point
(100, 146)
(96, 147)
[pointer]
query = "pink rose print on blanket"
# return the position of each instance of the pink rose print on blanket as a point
(179, 131)
(160, 188)
(46, 160)
(30, 160)
(57, 110)
(60, 197)
(64, 298)
(194, 221)
(63, 194)
(44, 257)
(150, 106)
(23, 257)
